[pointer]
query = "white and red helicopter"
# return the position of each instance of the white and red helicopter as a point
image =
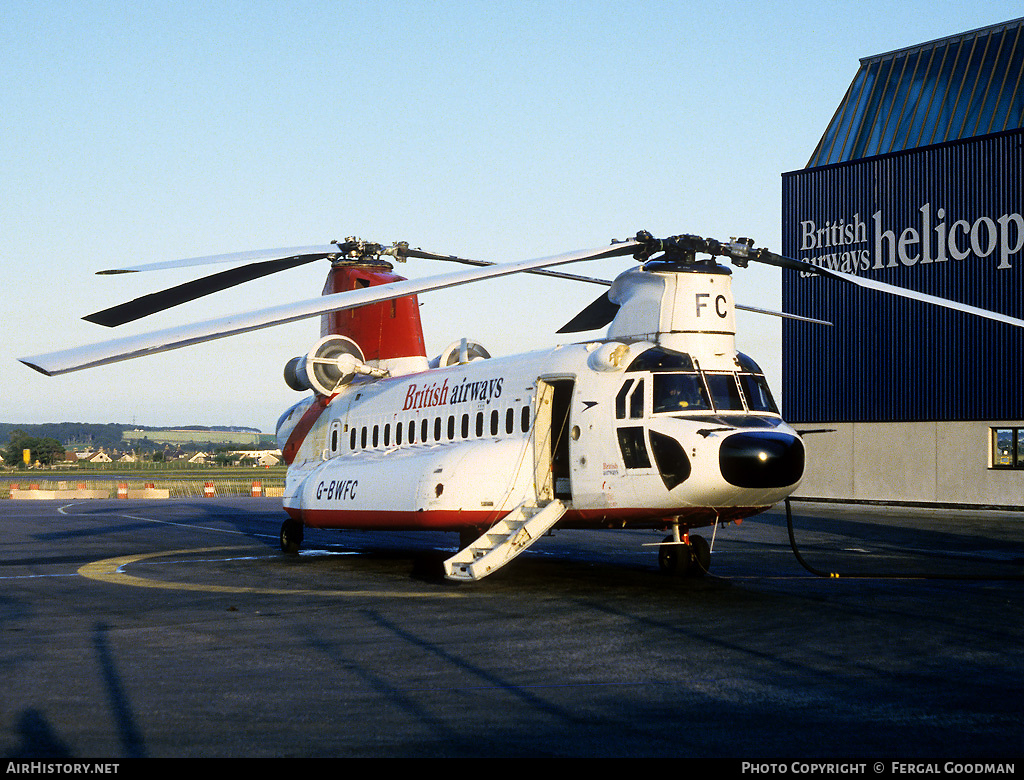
(660, 424)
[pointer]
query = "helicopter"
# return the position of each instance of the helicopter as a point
(660, 424)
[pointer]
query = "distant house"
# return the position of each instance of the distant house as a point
(259, 457)
(267, 458)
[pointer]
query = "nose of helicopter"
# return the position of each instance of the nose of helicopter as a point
(762, 459)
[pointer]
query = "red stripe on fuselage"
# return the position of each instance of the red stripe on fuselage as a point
(457, 519)
(303, 427)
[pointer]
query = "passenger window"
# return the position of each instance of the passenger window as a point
(494, 422)
(510, 420)
(437, 429)
(398, 433)
(525, 421)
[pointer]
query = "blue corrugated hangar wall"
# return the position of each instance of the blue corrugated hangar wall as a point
(916, 182)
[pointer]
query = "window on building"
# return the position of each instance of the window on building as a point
(1008, 448)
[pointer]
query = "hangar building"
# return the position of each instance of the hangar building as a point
(917, 182)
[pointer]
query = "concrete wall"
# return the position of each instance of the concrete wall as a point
(926, 462)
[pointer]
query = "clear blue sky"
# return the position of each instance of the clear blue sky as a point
(135, 133)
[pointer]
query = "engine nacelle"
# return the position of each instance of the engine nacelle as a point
(332, 363)
(459, 352)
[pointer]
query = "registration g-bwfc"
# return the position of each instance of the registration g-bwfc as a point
(659, 423)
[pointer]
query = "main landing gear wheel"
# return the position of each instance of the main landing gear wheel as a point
(674, 557)
(681, 559)
(291, 536)
(700, 554)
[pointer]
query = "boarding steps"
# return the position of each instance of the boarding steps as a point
(503, 541)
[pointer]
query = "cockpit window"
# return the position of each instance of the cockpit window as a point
(747, 363)
(661, 359)
(757, 395)
(631, 397)
(680, 393)
(725, 392)
(678, 385)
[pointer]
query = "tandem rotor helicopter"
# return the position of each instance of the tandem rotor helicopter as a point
(660, 424)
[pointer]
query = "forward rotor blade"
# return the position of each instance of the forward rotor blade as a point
(481, 263)
(129, 347)
(598, 314)
(741, 252)
(602, 311)
(190, 291)
(764, 256)
(903, 292)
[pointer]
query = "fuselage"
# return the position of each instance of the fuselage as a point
(628, 433)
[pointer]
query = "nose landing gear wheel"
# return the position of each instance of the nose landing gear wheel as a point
(700, 553)
(682, 559)
(674, 557)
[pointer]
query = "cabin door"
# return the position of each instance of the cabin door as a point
(551, 439)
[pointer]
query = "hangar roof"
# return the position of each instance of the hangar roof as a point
(958, 87)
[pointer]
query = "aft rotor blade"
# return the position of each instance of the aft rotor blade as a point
(129, 347)
(190, 291)
(323, 250)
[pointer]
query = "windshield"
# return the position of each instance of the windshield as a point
(680, 393)
(706, 392)
(725, 392)
(756, 392)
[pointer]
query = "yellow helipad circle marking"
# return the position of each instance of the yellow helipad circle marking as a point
(111, 570)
